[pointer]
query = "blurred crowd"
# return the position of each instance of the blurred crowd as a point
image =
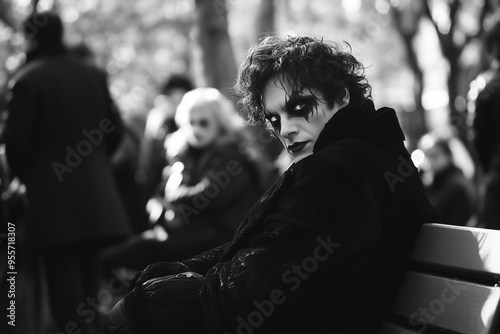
(96, 197)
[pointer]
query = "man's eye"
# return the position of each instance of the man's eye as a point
(275, 121)
(299, 107)
(302, 109)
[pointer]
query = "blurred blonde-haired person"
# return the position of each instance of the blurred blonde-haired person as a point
(212, 179)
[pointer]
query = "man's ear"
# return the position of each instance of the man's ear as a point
(343, 99)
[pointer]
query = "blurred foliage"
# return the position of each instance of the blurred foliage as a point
(141, 42)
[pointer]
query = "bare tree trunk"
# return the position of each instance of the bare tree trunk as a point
(213, 55)
(452, 52)
(6, 14)
(265, 19)
(408, 33)
(34, 4)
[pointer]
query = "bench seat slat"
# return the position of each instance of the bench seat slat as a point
(458, 306)
(458, 247)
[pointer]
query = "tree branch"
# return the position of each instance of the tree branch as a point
(454, 9)
(443, 41)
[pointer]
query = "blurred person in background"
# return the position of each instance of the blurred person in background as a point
(448, 188)
(325, 248)
(210, 183)
(159, 124)
(83, 52)
(61, 130)
(207, 153)
(486, 127)
(126, 156)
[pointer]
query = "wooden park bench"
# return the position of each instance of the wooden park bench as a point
(452, 285)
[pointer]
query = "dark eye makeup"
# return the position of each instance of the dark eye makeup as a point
(296, 106)
(275, 121)
(303, 108)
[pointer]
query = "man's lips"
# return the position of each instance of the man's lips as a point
(295, 147)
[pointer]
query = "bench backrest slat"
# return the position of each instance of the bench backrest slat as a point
(453, 284)
(460, 248)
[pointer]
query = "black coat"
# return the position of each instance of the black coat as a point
(487, 144)
(453, 195)
(231, 185)
(323, 251)
(486, 125)
(219, 186)
(61, 128)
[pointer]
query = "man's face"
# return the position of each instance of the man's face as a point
(297, 117)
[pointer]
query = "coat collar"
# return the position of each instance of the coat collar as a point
(380, 127)
(377, 126)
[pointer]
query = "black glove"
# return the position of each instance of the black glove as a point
(169, 304)
(158, 269)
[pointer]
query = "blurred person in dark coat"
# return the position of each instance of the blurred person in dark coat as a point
(325, 248)
(449, 190)
(487, 135)
(125, 158)
(210, 183)
(61, 129)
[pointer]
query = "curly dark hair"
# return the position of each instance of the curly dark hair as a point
(303, 62)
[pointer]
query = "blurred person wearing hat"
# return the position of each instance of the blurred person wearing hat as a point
(61, 130)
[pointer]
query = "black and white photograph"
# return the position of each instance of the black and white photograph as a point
(250, 166)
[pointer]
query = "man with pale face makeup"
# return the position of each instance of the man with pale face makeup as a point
(297, 118)
(323, 251)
